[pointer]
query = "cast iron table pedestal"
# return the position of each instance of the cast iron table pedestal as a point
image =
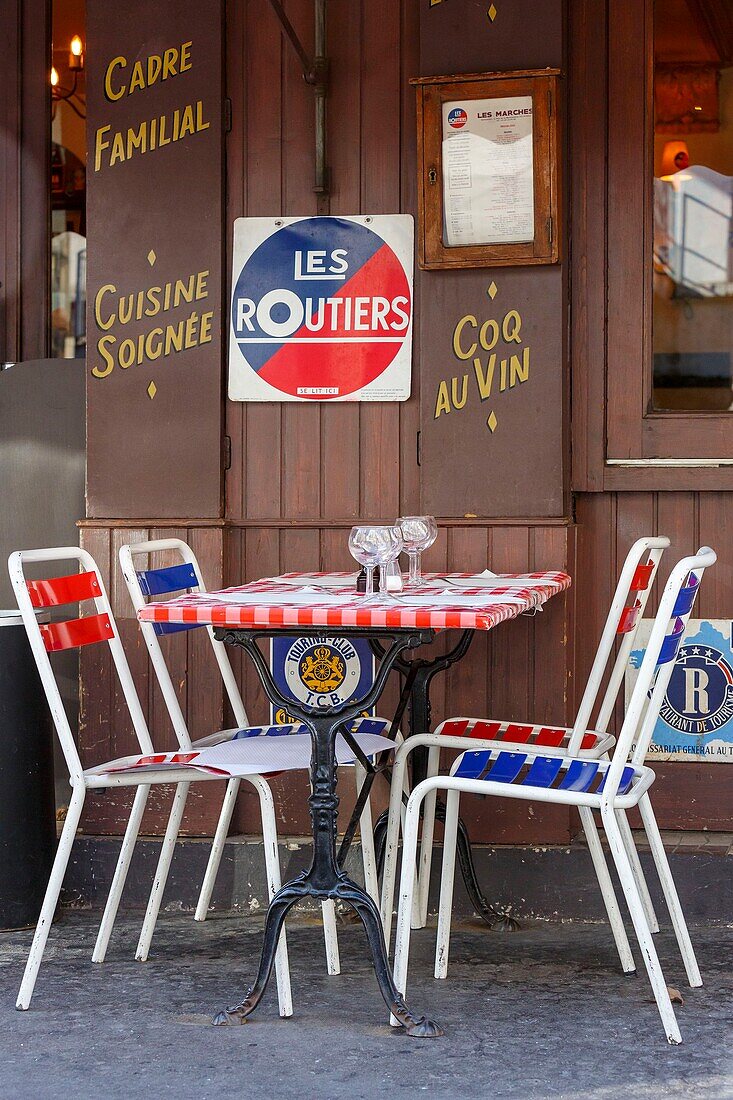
(325, 878)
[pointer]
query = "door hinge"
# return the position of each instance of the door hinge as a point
(418, 448)
(227, 452)
(227, 116)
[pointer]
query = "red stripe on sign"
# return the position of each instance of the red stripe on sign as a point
(351, 363)
(76, 632)
(61, 590)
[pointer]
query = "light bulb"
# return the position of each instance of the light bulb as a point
(54, 77)
(76, 46)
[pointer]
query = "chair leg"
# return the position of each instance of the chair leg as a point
(406, 896)
(445, 906)
(643, 933)
(217, 849)
(51, 897)
(165, 859)
(632, 853)
(607, 891)
(274, 881)
(330, 936)
(118, 879)
(426, 843)
(670, 891)
(366, 835)
(392, 843)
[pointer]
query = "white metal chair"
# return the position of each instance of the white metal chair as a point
(86, 586)
(605, 786)
(582, 739)
(185, 575)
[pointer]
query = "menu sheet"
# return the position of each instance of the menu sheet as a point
(488, 180)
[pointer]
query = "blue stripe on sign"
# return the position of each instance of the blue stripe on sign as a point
(157, 582)
(543, 771)
(472, 765)
(271, 267)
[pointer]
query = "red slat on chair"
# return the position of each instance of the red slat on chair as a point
(641, 578)
(76, 632)
(629, 615)
(455, 729)
(589, 741)
(520, 734)
(485, 730)
(60, 590)
(553, 738)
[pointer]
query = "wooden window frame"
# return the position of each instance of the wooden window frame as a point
(619, 441)
(432, 93)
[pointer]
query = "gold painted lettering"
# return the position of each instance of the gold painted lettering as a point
(102, 349)
(150, 351)
(192, 323)
(458, 351)
(510, 331)
(115, 63)
(485, 380)
(170, 57)
(118, 149)
(201, 288)
(138, 77)
(108, 288)
(442, 401)
(137, 140)
(200, 124)
(483, 334)
(185, 57)
(459, 403)
(187, 124)
(206, 319)
(519, 372)
(100, 146)
(126, 354)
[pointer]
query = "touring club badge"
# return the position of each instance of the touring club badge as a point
(322, 671)
(696, 716)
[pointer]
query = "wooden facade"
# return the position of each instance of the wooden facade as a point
(536, 493)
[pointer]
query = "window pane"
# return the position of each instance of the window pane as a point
(693, 214)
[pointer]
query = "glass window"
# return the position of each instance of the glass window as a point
(693, 214)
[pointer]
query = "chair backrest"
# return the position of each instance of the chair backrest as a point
(623, 621)
(675, 607)
(84, 585)
(184, 576)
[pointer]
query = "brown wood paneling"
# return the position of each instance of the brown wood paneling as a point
(461, 38)
(154, 218)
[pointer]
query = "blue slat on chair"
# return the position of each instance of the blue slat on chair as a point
(507, 767)
(627, 777)
(671, 644)
(543, 772)
(176, 578)
(473, 764)
(686, 598)
(579, 776)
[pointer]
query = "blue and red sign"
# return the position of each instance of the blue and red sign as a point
(321, 309)
(457, 118)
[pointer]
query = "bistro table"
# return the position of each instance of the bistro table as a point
(303, 604)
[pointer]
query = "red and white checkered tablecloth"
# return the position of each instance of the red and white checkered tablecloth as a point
(278, 602)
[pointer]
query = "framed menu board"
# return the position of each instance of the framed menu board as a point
(488, 164)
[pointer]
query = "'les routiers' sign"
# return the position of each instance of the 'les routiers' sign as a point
(321, 309)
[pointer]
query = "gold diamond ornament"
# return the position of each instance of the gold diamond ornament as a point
(492, 289)
(491, 422)
(151, 257)
(152, 390)
(492, 13)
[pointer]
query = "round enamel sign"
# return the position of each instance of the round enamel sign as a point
(321, 308)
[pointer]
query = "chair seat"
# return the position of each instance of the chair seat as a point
(379, 726)
(549, 778)
(504, 734)
(254, 755)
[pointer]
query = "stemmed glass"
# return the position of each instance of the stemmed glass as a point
(418, 533)
(373, 546)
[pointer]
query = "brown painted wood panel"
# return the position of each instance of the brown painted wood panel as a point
(154, 218)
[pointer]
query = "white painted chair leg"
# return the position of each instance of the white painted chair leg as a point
(330, 936)
(607, 891)
(366, 835)
(118, 879)
(217, 849)
(165, 859)
(426, 844)
(670, 891)
(406, 894)
(392, 843)
(274, 882)
(639, 876)
(445, 905)
(643, 933)
(51, 897)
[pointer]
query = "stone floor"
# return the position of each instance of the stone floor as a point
(544, 1012)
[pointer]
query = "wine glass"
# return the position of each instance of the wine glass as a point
(418, 533)
(373, 546)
